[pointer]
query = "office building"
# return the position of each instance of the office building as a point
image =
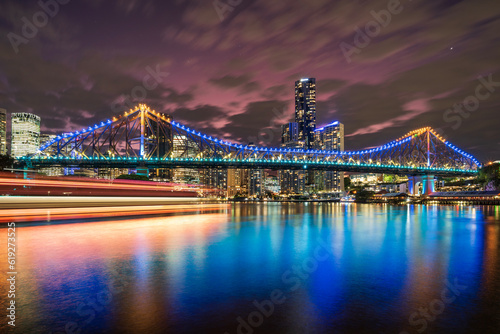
(291, 181)
(215, 179)
(25, 135)
(299, 134)
(272, 184)
(255, 182)
(329, 138)
(290, 135)
(183, 147)
(237, 182)
(305, 110)
(3, 131)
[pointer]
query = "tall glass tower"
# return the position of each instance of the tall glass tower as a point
(25, 137)
(305, 110)
(330, 138)
(3, 131)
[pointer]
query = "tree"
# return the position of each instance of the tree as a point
(6, 161)
(363, 196)
(390, 178)
(489, 176)
(347, 182)
(239, 195)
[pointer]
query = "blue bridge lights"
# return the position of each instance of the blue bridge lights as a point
(400, 156)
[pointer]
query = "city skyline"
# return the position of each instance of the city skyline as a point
(305, 134)
(250, 166)
(75, 69)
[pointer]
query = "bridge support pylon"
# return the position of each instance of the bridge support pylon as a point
(413, 185)
(427, 182)
(428, 186)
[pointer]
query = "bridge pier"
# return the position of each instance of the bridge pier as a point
(413, 185)
(427, 182)
(428, 186)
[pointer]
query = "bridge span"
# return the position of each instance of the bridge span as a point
(145, 139)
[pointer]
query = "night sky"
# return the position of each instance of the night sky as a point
(230, 71)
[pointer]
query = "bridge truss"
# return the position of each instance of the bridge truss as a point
(144, 137)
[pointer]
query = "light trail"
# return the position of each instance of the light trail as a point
(48, 214)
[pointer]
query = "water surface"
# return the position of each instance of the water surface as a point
(329, 268)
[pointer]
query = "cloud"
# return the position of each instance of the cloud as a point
(260, 122)
(243, 67)
(176, 97)
(276, 91)
(231, 81)
(330, 85)
(201, 114)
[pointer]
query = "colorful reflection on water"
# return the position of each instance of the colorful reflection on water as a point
(340, 268)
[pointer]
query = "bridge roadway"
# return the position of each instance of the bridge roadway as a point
(200, 163)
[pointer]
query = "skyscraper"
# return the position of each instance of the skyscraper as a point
(183, 147)
(237, 182)
(305, 110)
(25, 137)
(215, 179)
(3, 131)
(291, 181)
(255, 182)
(330, 138)
(290, 135)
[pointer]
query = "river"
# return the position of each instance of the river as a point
(263, 268)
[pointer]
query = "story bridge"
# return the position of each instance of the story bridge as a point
(145, 139)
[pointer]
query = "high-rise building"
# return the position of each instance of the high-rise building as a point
(255, 186)
(215, 179)
(305, 110)
(292, 181)
(330, 138)
(183, 147)
(290, 135)
(3, 131)
(271, 184)
(25, 136)
(300, 134)
(237, 182)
